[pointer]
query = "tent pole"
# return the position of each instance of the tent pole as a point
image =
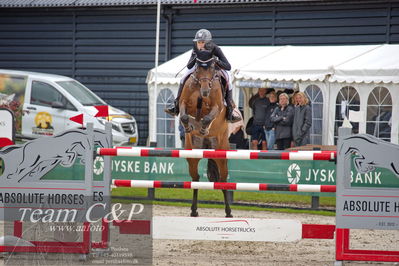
(153, 134)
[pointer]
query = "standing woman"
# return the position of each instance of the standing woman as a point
(282, 117)
(269, 125)
(302, 120)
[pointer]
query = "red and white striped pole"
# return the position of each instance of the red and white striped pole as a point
(223, 185)
(221, 154)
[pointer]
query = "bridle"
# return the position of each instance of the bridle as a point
(210, 80)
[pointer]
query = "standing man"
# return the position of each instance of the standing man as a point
(259, 104)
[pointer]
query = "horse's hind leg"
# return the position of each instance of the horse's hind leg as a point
(227, 204)
(193, 169)
(194, 212)
(222, 165)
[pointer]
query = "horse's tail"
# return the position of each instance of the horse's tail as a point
(213, 171)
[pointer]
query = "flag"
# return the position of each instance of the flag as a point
(5, 142)
(102, 110)
(77, 119)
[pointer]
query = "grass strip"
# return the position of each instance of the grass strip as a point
(211, 195)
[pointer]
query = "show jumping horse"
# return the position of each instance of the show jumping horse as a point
(203, 115)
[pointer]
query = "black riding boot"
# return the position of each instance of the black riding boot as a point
(230, 116)
(174, 110)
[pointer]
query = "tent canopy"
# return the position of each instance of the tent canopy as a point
(238, 56)
(377, 65)
(353, 63)
(301, 63)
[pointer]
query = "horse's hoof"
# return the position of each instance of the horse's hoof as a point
(194, 214)
(184, 119)
(188, 129)
(229, 215)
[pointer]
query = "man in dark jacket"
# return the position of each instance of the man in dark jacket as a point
(259, 103)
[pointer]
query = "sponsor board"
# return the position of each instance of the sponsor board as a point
(366, 207)
(227, 229)
(246, 171)
(305, 172)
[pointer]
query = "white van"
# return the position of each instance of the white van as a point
(44, 103)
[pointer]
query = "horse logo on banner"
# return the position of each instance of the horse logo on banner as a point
(371, 153)
(37, 157)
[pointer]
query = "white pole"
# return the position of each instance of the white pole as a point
(153, 135)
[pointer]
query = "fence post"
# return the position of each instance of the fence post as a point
(151, 191)
(315, 202)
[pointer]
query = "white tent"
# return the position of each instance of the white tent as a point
(300, 63)
(330, 68)
(377, 68)
(380, 65)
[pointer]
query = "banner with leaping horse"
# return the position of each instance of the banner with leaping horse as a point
(26, 196)
(366, 207)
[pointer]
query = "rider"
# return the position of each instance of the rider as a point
(203, 41)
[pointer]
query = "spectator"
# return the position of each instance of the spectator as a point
(236, 132)
(269, 125)
(259, 103)
(294, 99)
(302, 120)
(282, 117)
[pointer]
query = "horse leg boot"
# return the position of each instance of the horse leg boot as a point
(223, 172)
(194, 212)
(193, 170)
(230, 116)
(227, 204)
(174, 110)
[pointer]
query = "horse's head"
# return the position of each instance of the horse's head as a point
(205, 73)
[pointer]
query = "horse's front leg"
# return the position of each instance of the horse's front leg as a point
(207, 120)
(223, 172)
(193, 170)
(184, 118)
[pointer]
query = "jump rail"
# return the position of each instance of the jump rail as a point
(220, 154)
(221, 185)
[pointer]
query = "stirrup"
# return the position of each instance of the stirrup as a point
(172, 111)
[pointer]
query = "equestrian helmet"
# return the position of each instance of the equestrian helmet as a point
(203, 35)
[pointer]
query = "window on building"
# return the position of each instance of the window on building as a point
(165, 122)
(316, 99)
(347, 99)
(379, 113)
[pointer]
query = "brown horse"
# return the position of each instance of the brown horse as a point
(202, 113)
